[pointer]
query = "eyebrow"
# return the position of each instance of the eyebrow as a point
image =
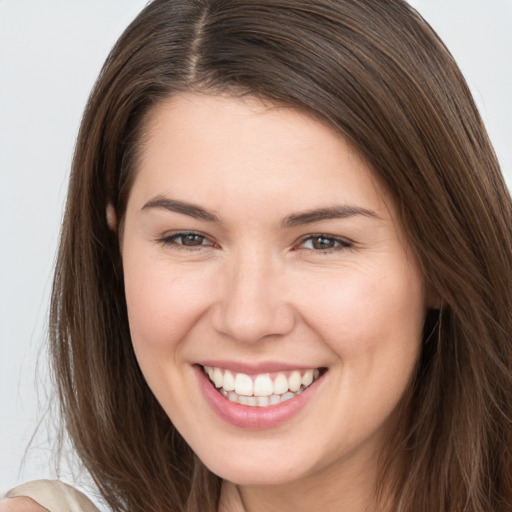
(320, 214)
(292, 220)
(172, 205)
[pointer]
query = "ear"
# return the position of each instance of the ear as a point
(111, 217)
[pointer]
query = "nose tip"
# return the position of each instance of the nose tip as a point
(249, 326)
(253, 307)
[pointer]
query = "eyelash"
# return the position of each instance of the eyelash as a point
(339, 243)
(171, 240)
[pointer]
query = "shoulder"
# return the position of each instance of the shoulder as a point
(20, 504)
(46, 495)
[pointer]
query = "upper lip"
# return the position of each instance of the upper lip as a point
(255, 368)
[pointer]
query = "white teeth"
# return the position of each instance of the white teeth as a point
(229, 381)
(294, 381)
(243, 384)
(251, 401)
(261, 390)
(263, 401)
(263, 386)
(274, 399)
(218, 377)
(280, 384)
(244, 400)
(307, 378)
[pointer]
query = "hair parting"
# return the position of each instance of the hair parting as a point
(377, 73)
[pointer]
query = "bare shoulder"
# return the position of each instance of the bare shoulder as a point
(20, 504)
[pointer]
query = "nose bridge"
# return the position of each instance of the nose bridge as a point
(252, 304)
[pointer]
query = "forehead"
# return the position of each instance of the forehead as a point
(215, 148)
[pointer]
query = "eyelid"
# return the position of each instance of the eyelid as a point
(169, 239)
(344, 243)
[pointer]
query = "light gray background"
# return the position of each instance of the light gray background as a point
(50, 54)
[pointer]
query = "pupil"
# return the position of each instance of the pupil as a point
(192, 240)
(322, 243)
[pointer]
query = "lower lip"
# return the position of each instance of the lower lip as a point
(254, 418)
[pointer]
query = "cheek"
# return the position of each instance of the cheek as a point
(373, 324)
(164, 303)
(367, 315)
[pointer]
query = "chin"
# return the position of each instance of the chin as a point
(258, 467)
(245, 474)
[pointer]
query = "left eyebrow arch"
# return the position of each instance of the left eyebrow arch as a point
(172, 205)
(320, 214)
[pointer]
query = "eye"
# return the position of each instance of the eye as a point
(324, 243)
(186, 240)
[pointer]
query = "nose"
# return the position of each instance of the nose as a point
(252, 303)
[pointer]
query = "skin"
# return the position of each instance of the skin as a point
(20, 504)
(253, 290)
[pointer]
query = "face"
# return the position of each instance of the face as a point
(275, 309)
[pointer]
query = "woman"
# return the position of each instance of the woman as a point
(283, 280)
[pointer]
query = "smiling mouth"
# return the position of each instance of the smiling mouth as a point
(263, 389)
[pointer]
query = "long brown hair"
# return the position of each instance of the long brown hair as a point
(375, 71)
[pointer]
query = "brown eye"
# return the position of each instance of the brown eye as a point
(321, 242)
(191, 239)
(186, 240)
(324, 243)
